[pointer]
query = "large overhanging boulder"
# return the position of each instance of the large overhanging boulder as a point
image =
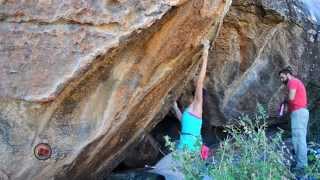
(257, 39)
(89, 78)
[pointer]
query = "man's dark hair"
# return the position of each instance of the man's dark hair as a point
(286, 70)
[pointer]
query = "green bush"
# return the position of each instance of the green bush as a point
(313, 169)
(193, 167)
(247, 153)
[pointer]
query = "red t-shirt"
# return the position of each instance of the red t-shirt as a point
(300, 99)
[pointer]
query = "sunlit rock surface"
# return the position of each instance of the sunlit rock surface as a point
(257, 39)
(90, 77)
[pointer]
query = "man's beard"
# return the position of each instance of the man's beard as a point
(285, 81)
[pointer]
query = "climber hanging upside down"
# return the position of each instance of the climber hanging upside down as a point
(191, 122)
(191, 119)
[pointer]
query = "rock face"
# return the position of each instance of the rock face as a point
(90, 77)
(257, 39)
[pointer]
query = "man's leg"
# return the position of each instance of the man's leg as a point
(300, 147)
(299, 120)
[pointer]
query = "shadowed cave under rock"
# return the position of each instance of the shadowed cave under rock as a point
(151, 147)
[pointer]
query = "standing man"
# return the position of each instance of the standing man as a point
(299, 115)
